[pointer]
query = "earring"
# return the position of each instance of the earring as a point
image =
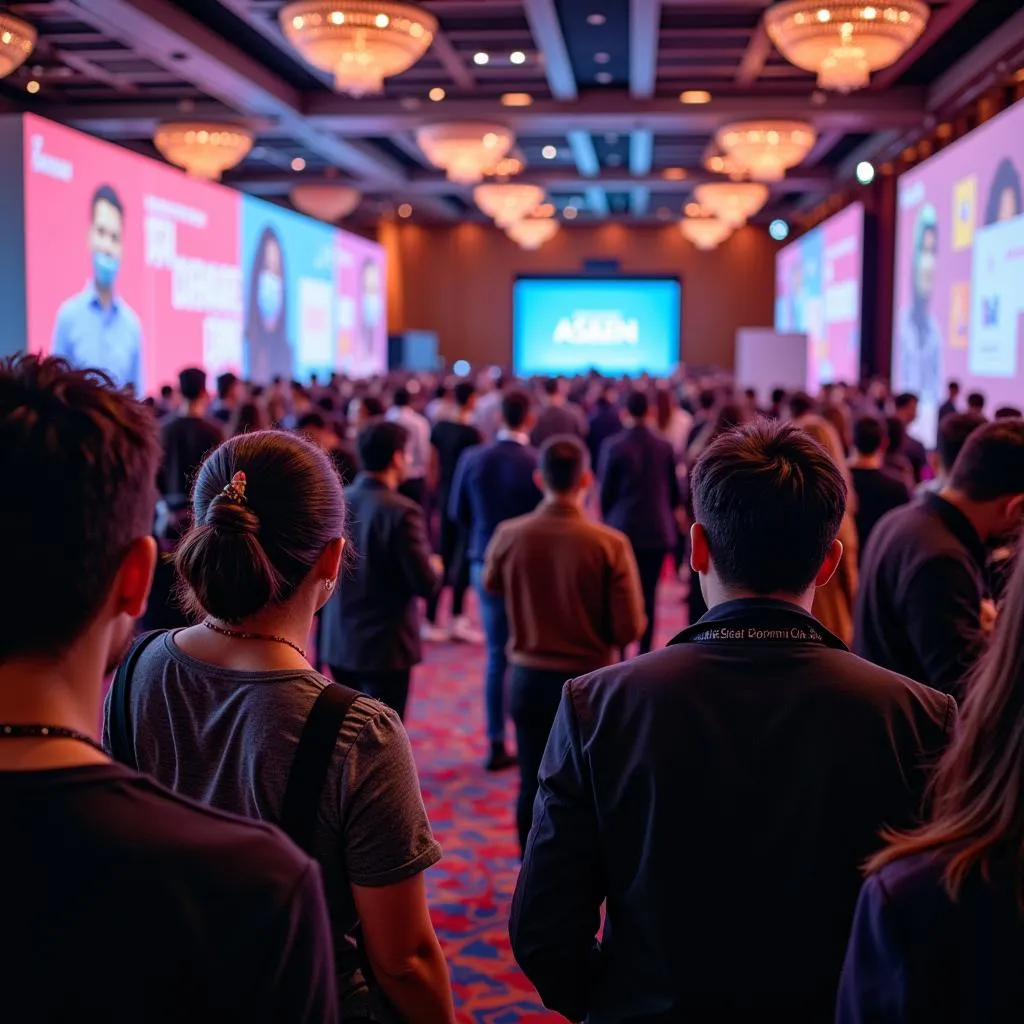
(328, 585)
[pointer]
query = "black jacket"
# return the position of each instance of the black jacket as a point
(720, 795)
(371, 624)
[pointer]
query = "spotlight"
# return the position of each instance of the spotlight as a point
(865, 172)
(779, 230)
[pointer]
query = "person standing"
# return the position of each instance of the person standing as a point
(878, 491)
(555, 418)
(605, 421)
(640, 496)
(572, 594)
(495, 482)
(922, 608)
(718, 797)
(948, 407)
(417, 461)
(905, 406)
(370, 630)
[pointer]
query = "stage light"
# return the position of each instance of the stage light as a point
(461, 368)
(865, 172)
(778, 229)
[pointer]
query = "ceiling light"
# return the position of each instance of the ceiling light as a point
(436, 94)
(865, 172)
(517, 57)
(844, 42)
(507, 167)
(733, 203)
(481, 58)
(549, 152)
(360, 43)
(603, 78)
(545, 210)
(404, 211)
(17, 40)
(32, 86)
(516, 99)
(204, 150)
(674, 174)
(695, 96)
(596, 18)
(532, 233)
(570, 213)
(778, 229)
(767, 149)
(706, 233)
(466, 150)
(601, 58)
(298, 164)
(326, 202)
(506, 204)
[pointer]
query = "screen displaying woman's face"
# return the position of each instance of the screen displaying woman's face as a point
(925, 270)
(270, 286)
(1008, 207)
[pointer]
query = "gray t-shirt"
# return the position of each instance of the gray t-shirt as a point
(228, 739)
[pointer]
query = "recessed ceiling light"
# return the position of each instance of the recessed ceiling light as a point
(611, 138)
(32, 86)
(673, 174)
(603, 78)
(436, 94)
(693, 209)
(517, 57)
(596, 18)
(602, 58)
(404, 211)
(481, 58)
(695, 96)
(382, 21)
(549, 152)
(570, 213)
(516, 99)
(298, 164)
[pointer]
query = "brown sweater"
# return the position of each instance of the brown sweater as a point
(571, 589)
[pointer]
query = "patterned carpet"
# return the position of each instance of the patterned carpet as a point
(472, 813)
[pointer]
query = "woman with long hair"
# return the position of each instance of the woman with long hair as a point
(939, 930)
(221, 711)
(268, 351)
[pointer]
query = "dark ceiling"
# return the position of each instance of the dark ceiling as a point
(605, 77)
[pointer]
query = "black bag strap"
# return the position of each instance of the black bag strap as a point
(312, 760)
(121, 747)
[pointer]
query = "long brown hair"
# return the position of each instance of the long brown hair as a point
(976, 796)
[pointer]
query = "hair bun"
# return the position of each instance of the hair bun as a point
(231, 516)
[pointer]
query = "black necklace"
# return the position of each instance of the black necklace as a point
(236, 634)
(47, 732)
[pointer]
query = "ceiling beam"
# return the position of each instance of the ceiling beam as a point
(542, 16)
(639, 201)
(597, 200)
(755, 56)
(584, 153)
(826, 142)
(452, 62)
(641, 152)
(162, 32)
(644, 23)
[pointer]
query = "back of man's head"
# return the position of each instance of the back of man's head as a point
(991, 463)
(954, 388)
(311, 422)
(464, 392)
(80, 459)
(551, 387)
(192, 383)
(378, 443)
(1008, 412)
(976, 401)
(778, 396)
(402, 398)
(563, 463)
(770, 500)
(225, 382)
(953, 433)
(167, 392)
(800, 405)
(707, 400)
(905, 401)
(637, 405)
(869, 435)
(515, 409)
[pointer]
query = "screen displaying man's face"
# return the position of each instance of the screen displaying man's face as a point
(105, 233)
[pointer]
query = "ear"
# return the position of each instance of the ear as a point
(1015, 508)
(831, 563)
(586, 480)
(538, 480)
(328, 566)
(700, 556)
(134, 578)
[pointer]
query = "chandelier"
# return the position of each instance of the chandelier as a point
(466, 150)
(532, 233)
(507, 204)
(360, 42)
(203, 150)
(733, 203)
(17, 40)
(720, 163)
(706, 233)
(842, 41)
(324, 201)
(767, 149)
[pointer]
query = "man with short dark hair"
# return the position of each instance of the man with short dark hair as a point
(948, 407)
(207, 913)
(572, 594)
(229, 397)
(718, 797)
(494, 482)
(370, 629)
(640, 497)
(921, 609)
(905, 406)
(187, 438)
(418, 456)
(605, 421)
(556, 418)
(878, 491)
(953, 433)
(321, 432)
(976, 403)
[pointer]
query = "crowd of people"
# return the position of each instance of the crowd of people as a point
(809, 806)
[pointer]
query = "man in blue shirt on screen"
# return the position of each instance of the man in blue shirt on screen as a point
(96, 327)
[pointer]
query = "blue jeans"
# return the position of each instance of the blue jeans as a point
(495, 623)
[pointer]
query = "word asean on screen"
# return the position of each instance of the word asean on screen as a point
(135, 268)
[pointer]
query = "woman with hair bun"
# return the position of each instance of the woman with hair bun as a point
(221, 712)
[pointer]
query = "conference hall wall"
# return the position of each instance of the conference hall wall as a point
(459, 281)
(200, 274)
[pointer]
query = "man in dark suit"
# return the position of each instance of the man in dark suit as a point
(370, 630)
(640, 497)
(719, 796)
(495, 482)
(915, 453)
(605, 422)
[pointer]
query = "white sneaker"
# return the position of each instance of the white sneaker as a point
(431, 634)
(463, 631)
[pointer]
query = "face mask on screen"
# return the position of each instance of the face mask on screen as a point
(269, 297)
(371, 310)
(104, 269)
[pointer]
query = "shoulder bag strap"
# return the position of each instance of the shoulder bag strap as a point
(312, 761)
(121, 747)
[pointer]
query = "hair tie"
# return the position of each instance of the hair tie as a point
(235, 490)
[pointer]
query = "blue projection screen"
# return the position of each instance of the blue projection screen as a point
(617, 326)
